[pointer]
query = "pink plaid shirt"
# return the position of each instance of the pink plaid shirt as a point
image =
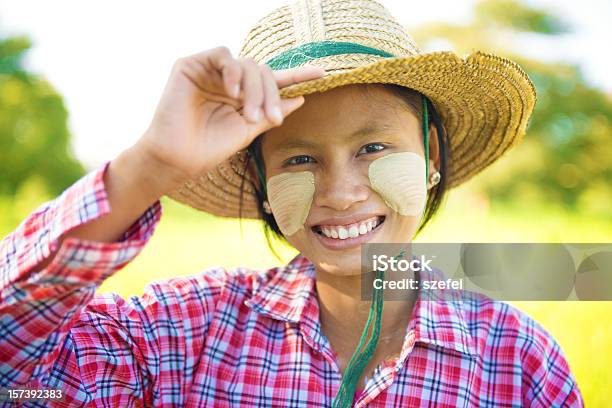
(240, 337)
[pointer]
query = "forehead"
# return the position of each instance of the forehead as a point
(343, 114)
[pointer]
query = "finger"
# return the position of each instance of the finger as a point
(272, 98)
(232, 77)
(206, 68)
(287, 106)
(292, 76)
(253, 89)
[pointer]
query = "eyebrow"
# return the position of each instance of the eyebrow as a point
(361, 133)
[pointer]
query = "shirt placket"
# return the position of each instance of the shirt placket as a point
(385, 373)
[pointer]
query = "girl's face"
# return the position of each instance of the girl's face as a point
(335, 136)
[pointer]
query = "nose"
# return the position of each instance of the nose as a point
(341, 186)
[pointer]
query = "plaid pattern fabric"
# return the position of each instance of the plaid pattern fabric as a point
(240, 337)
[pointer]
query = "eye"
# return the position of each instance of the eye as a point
(302, 159)
(372, 148)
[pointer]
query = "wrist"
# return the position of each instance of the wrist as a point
(150, 177)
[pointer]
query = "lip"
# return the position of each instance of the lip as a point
(341, 244)
(351, 219)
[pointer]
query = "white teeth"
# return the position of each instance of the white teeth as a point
(363, 229)
(352, 231)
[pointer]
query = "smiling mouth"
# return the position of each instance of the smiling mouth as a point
(342, 232)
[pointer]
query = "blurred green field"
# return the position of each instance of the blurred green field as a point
(187, 242)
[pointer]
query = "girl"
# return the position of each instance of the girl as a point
(366, 156)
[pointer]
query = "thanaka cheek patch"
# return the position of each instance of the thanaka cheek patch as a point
(399, 178)
(290, 196)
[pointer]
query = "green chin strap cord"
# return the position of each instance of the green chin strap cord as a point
(360, 359)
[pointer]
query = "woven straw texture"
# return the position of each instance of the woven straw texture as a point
(485, 101)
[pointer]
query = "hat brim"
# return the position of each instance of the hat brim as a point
(484, 101)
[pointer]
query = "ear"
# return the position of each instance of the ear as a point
(434, 149)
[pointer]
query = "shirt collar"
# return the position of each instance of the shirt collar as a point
(289, 294)
(286, 292)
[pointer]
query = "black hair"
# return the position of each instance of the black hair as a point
(435, 196)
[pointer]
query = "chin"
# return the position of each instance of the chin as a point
(344, 267)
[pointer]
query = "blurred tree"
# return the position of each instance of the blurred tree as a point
(34, 137)
(566, 157)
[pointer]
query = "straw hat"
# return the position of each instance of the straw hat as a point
(484, 101)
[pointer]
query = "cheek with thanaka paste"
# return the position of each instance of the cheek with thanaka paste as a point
(290, 196)
(399, 178)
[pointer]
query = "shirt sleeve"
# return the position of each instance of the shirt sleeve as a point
(39, 308)
(547, 379)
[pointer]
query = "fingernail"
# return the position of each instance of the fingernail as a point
(254, 113)
(277, 115)
(235, 90)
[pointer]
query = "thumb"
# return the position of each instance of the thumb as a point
(291, 104)
(287, 106)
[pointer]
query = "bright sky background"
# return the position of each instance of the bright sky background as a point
(110, 59)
